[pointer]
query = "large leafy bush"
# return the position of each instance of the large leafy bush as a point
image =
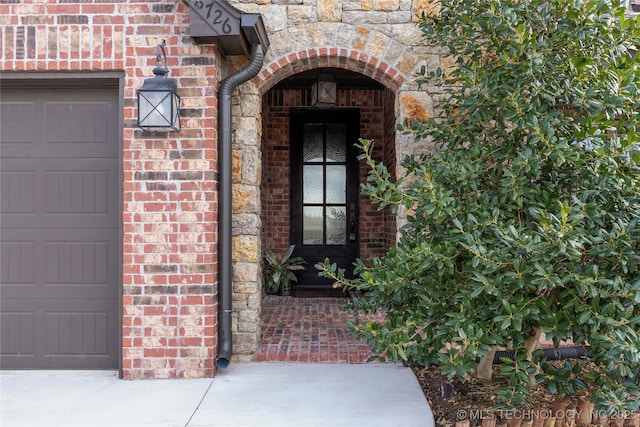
(525, 218)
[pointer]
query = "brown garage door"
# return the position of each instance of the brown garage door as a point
(59, 228)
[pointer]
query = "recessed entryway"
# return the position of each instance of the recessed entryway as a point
(311, 182)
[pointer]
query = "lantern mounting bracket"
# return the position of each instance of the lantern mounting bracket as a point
(161, 68)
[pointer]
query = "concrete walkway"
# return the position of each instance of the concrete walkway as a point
(245, 394)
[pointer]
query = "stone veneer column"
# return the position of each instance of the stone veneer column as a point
(246, 224)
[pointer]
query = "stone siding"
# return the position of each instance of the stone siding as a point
(376, 38)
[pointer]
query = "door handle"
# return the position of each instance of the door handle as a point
(352, 235)
(352, 215)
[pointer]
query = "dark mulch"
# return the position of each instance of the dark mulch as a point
(474, 399)
(468, 398)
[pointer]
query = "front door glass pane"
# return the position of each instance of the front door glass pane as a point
(336, 138)
(312, 150)
(312, 229)
(336, 225)
(312, 182)
(337, 184)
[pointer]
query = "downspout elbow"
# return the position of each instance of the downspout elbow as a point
(228, 85)
(232, 81)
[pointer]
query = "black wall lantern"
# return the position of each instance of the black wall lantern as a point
(158, 100)
(323, 91)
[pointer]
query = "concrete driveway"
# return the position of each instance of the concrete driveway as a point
(245, 394)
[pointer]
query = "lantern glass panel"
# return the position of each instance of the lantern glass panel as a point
(323, 92)
(158, 110)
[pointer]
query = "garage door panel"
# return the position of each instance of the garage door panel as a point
(78, 129)
(77, 124)
(63, 128)
(17, 260)
(79, 192)
(17, 191)
(77, 333)
(59, 228)
(18, 333)
(15, 137)
(69, 339)
(73, 266)
(65, 333)
(80, 266)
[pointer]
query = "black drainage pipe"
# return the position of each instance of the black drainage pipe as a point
(559, 353)
(228, 85)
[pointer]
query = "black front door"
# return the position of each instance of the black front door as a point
(324, 190)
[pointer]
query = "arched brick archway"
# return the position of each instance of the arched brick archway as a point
(323, 57)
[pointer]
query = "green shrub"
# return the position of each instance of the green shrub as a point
(525, 219)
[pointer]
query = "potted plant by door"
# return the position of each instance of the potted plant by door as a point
(279, 270)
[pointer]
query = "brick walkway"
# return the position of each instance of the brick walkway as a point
(308, 330)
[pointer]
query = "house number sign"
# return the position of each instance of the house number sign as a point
(217, 15)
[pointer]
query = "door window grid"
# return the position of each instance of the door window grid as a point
(324, 211)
